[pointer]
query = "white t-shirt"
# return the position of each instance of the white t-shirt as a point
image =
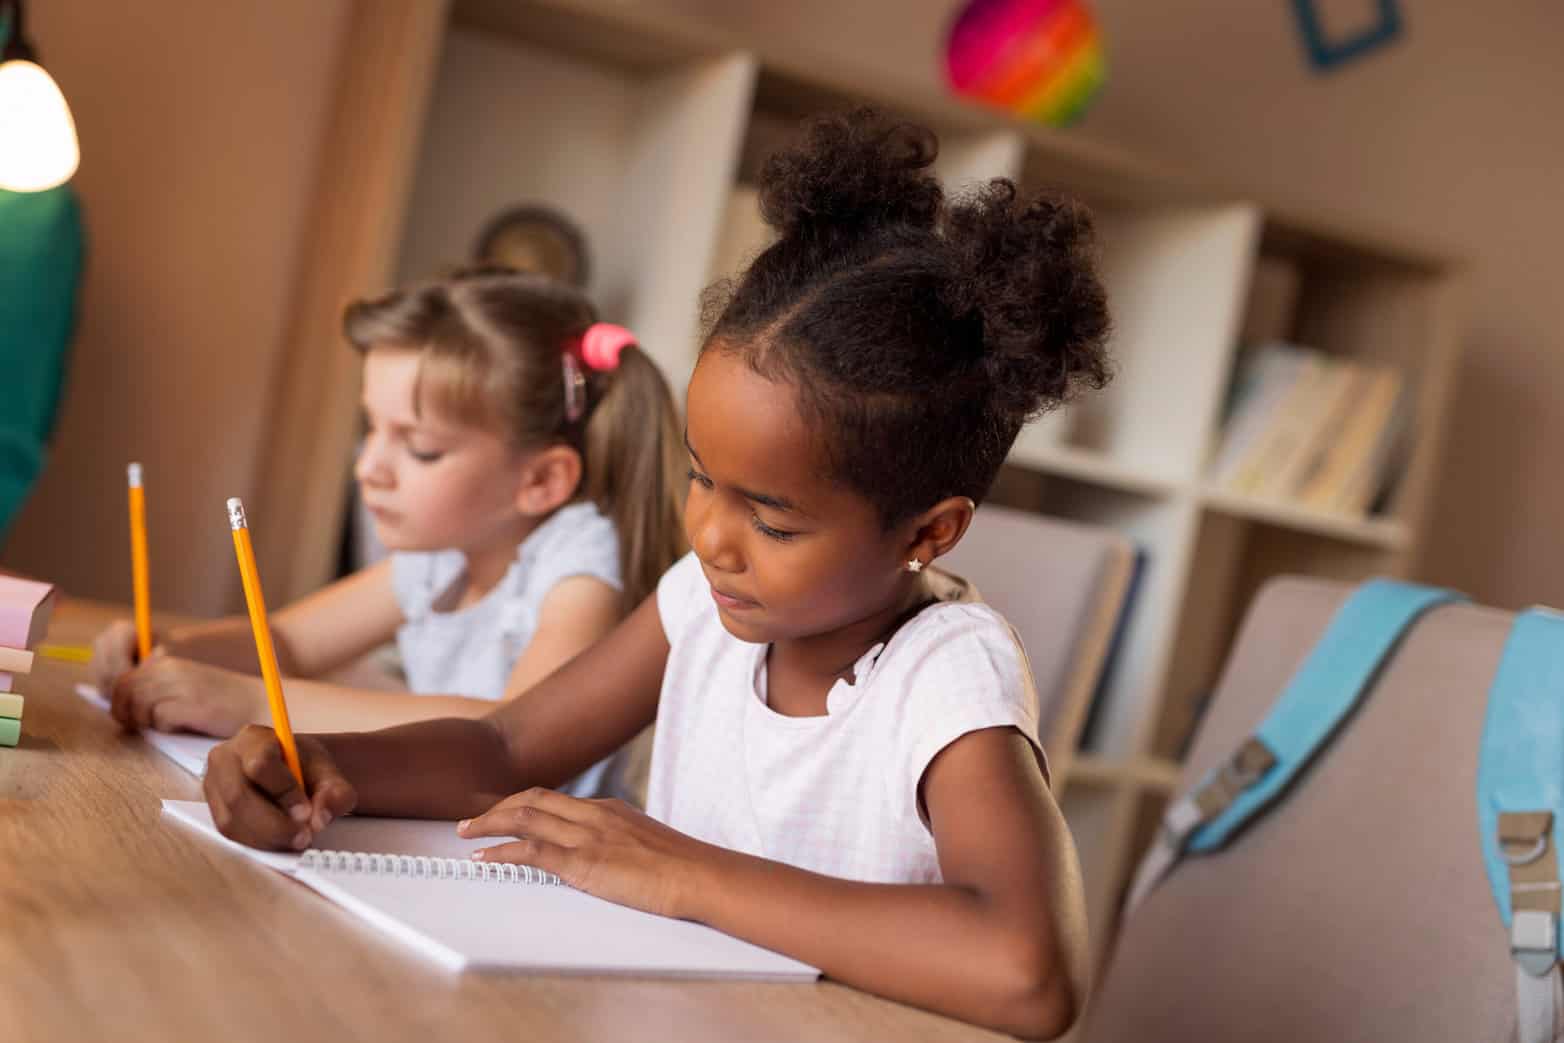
(836, 794)
(471, 651)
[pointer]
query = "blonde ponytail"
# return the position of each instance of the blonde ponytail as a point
(634, 458)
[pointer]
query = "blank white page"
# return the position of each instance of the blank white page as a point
(496, 924)
(184, 749)
(541, 927)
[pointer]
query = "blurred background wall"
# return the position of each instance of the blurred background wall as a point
(201, 126)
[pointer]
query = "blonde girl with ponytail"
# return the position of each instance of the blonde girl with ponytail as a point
(524, 465)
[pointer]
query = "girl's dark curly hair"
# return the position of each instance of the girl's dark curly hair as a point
(920, 333)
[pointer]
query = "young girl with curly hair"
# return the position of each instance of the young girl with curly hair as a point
(847, 767)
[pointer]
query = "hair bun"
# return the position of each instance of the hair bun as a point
(851, 172)
(1027, 267)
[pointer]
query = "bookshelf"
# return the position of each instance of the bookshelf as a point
(648, 128)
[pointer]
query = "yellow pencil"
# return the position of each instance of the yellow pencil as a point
(66, 653)
(138, 562)
(263, 637)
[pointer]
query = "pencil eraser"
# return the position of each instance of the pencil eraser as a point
(10, 731)
(11, 705)
(16, 660)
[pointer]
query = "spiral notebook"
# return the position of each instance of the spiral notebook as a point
(413, 880)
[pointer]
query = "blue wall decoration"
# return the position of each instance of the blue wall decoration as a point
(1326, 53)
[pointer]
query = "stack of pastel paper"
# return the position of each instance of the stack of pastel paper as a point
(24, 616)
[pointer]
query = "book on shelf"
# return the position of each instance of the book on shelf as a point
(1090, 737)
(1312, 429)
(1360, 443)
(1279, 428)
(1263, 380)
(1309, 434)
(1375, 484)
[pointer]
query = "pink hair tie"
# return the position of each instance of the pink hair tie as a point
(599, 347)
(602, 343)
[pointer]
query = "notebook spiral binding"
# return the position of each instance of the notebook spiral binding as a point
(424, 867)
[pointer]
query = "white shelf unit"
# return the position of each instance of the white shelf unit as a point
(634, 155)
(649, 130)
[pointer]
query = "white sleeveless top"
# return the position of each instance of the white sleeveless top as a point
(471, 651)
(838, 793)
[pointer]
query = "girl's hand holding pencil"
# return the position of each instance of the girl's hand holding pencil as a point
(114, 653)
(250, 576)
(256, 800)
(168, 693)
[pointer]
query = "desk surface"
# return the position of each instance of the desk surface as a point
(113, 925)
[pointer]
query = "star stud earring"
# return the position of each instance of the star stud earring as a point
(914, 565)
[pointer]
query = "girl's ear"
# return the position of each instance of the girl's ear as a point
(549, 480)
(940, 528)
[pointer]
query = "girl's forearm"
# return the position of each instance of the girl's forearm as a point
(939, 946)
(318, 706)
(422, 756)
(449, 768)
(228, 642)
(456, 768)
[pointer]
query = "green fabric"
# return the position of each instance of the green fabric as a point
(41, 252)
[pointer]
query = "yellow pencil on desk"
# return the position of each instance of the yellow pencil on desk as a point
(267, 653)
(66, 653)
(138, 562)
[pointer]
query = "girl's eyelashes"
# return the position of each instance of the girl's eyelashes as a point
(425, 457)
(767, 531)
(780, 535)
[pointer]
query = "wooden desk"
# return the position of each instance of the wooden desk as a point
(115, 926)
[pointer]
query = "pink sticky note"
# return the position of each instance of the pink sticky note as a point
(24, 611)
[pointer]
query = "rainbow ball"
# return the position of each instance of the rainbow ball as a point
(1039, 59)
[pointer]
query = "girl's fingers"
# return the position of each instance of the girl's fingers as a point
(550, 828)
(137, 692)
(172, 715)
(262, 763)
(530, 852)
(122, 699)
(112, 654)
(243, 811)
(525, 798)
(331, 796)
(144, 700)
(552, 801)
(526, 820)
(282, 825)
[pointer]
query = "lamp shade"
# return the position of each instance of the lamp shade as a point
(38, 147)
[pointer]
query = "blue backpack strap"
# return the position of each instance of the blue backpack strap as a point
(1324, 691)
(1520, 810)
